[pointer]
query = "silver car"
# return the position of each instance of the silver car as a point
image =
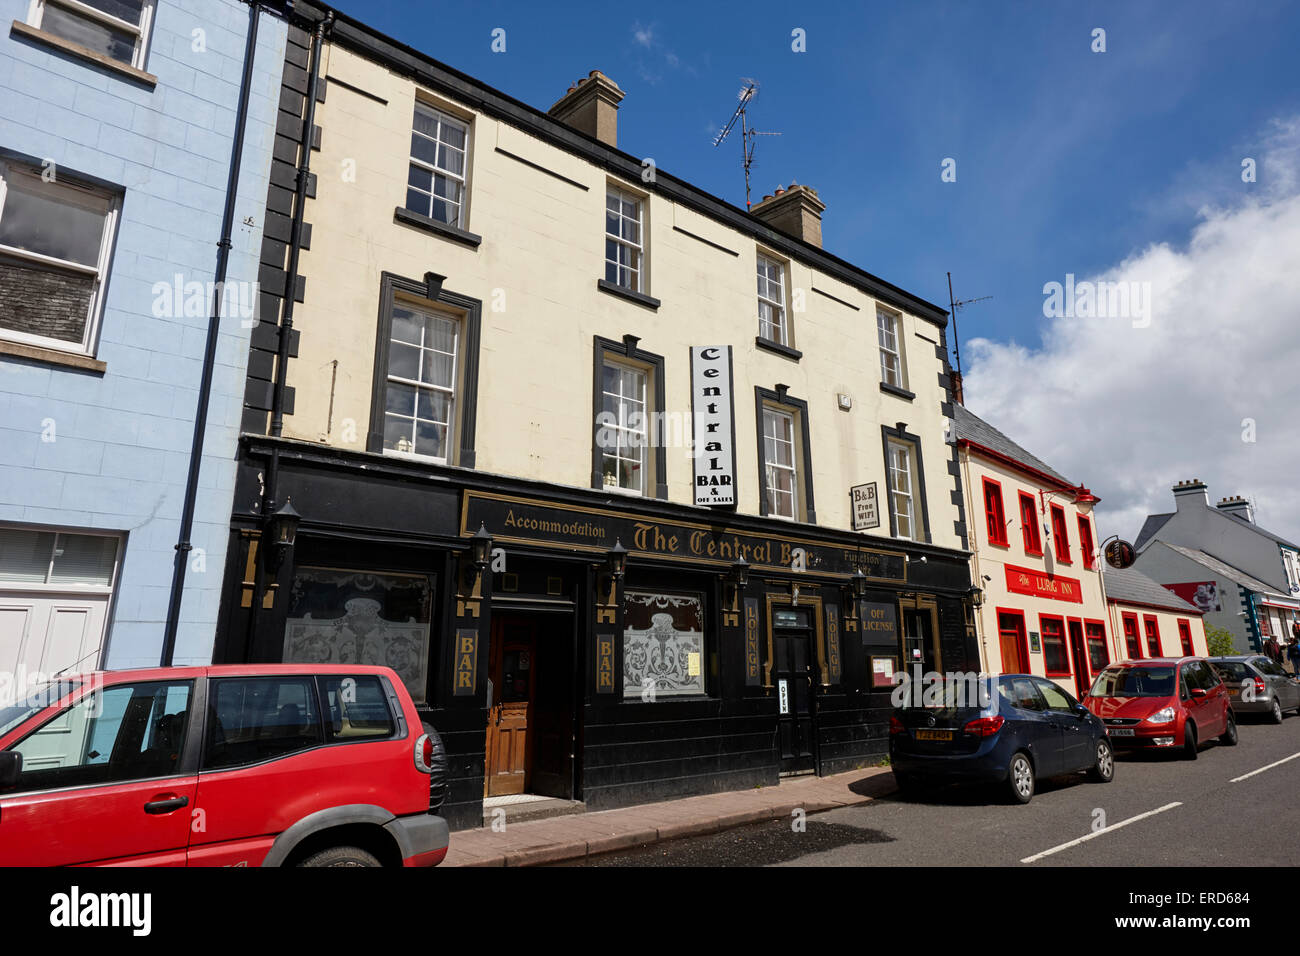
(1258, 685)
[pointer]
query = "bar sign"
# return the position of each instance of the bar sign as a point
(604, 663)
(713, 425)
(466, 668)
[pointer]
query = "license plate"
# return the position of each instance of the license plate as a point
(934, 735)
(1120, 731)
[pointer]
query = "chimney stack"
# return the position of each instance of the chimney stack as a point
(796, 211)
(1238, 506)
(591, 106)
(1190, 493)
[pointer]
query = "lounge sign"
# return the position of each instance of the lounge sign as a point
(713, 425)
(533, 522)
(1038, 584)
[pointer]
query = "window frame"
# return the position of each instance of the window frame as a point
(429, 296)
(1060, 535)
(786, 337)
(1021, 634)
(1065, 644)
(142, 30)
(462, 206)
(638, 272)
(1094, 670)
(995, 518)
(1151, 628)
(1127, 618)
(86, 196)
(1087, 544)
(902, 436)
(898, 352)
(627, 354)
(54, 587)
(1029, 529)
(1185, 637)
(797, 409)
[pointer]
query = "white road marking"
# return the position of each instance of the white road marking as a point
(1277, 763)
(1091, 836)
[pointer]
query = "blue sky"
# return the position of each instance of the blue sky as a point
(1125, 163)
(1067, 160)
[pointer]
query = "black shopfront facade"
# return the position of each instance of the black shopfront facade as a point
(603, 648)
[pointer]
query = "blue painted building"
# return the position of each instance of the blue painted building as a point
(117, 123)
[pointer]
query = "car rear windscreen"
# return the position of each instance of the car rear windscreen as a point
(1232, 670)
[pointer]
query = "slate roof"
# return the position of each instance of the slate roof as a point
(1266, 533)
(1238, 577)
(1131, 586)
(972, 428)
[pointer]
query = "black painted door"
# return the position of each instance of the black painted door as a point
(794, 679)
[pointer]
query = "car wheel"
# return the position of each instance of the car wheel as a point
(1189, 741)
(1229, 736)
(1275, 714)
(1103, 771)
(1020, 779)
(342, 856)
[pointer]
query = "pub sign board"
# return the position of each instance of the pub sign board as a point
(531, 521)
(866, 510)
(713, 425)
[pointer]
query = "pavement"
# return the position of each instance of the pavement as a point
(583, 835)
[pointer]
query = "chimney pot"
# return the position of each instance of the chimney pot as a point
(591, 106)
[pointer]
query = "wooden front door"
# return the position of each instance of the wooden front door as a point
(513, 665)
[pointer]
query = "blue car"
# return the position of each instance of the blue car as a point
(1008, 730)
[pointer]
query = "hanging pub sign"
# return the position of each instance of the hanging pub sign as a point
(713, 425)
(1120, 554)
(866, 512)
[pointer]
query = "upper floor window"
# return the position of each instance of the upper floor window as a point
(420, 400)
(902, 489)
(1086, 547)
(779, 463)
(772, 322)
(55, 239)
(625, 433)
(994, 517)
(117, 29)
(889, 332)
(1029, 525)
(435, 185)
(1059, 539)
(623, 242)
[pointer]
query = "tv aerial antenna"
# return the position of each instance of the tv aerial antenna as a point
(748, 135)
(954, 306)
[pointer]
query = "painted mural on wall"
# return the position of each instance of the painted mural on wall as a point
(663, 644)
(347, 617)
(1202, 594)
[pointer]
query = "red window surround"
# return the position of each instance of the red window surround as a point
(1153, 635)
(1085, 542)
(1060, 539)
(1094, 635)
(1185, 635)
(1029, 525)
(1056, 655)
(1132, 640)
(994, 516)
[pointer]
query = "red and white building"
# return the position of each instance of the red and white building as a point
(1036, 560)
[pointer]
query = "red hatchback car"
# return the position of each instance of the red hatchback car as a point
(242, 765)
(1163, 703)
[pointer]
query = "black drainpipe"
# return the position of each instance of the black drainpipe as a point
(183, 545)
(270, 497)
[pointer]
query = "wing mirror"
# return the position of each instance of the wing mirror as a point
(1198, 692)
(11, 765)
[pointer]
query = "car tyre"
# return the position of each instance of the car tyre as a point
(1229, 736)
(1103, 771)
(342, 856)
(1275, 715)
(1020, 778)
(1189, 741)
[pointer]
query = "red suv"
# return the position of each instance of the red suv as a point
(1164, 703)
(242, 765)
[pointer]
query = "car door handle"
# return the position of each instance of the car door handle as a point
(166, 805)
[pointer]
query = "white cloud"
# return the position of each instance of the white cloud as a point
(644, 36)
(1129, 411)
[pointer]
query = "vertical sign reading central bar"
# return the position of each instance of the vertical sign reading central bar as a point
(713, 425)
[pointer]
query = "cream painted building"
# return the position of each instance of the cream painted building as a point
(1036, 560)
(488, 337)
(1151, 620)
